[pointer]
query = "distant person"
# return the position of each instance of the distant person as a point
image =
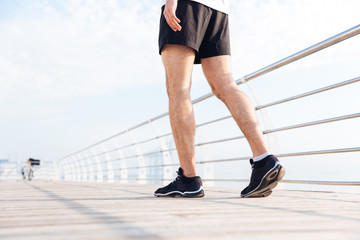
(23, 172)
(194, 32)
(31, 174)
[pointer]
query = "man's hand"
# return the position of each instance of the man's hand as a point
(169, 14)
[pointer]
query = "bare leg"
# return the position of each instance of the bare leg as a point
(178, 62)
(218, 72)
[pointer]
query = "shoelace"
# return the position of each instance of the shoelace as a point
(252, 163)
(173, 182)
(177, 178)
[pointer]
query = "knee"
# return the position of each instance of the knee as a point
(217, 94)
(177, 93)
(222, 91)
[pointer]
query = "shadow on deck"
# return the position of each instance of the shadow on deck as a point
(69, 210)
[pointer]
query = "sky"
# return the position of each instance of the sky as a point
(73, 72)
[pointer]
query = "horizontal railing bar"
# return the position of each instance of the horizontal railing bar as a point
(335, 183)
(202, 98)
(220, 140)
(128, 168)
(214, 121)
(294, 57)
(125, 146)
(323, 121)
(128, 157)
(354, 80)
(306, 52)
(320, 152)
(341, 183)
(149, 153)
(328, 120)
(308, 153)
(344, 83)
(120, 133)
(144, 141)
(329, 151)
(152, 166)
(345, 117)
(107, 139)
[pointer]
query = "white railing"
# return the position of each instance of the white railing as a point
(8, 170)
(145, 153)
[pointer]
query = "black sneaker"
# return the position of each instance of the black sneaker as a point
(265, 176)
(182, 187)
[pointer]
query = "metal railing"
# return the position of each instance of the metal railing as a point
(124, 158)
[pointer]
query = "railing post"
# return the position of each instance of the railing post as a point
(109, 166)
(208, 168)
(272, 140)
(99, 170)
(77, 167)
(56, 170)
(63, 170)
(141, 161)
(167, 170)
(72, 168)
(123, 170)
(84, 171)
(90, 168)
(82, 167)
(52, 174)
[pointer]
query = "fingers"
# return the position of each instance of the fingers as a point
(171, 19)
(173, 22)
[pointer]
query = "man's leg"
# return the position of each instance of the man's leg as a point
(178, 62)
(266, 169)
(218, 72)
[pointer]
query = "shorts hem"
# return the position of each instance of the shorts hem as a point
(187, 44)
(190, 45)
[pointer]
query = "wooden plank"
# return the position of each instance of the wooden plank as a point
(77, 210)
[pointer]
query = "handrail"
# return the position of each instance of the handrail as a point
(306, 94)
(292, 58)
(295, 154)
(307, 124)
(306, 52)
(280, 155)
(333, 183)
(82, 162)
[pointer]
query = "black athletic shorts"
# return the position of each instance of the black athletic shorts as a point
(203, 29)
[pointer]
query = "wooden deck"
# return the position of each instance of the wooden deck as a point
(70, 210)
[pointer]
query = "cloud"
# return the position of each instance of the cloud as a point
(263, 32)
(78, 48)
(61, 50)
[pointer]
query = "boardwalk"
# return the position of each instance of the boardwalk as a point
(69, 210)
